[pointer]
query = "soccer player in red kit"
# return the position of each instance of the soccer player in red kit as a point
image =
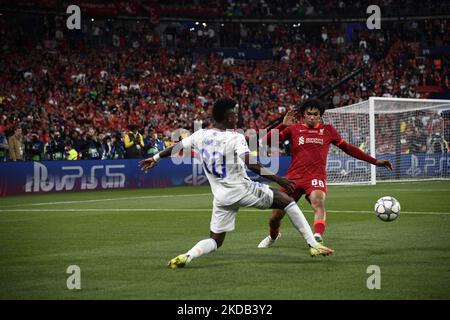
(310, 141)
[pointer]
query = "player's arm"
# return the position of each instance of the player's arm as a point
(149, 163)
(186, 143)
(289, 119)
(253, 164)
(358, 154)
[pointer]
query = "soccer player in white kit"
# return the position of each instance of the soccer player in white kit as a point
(225, 154)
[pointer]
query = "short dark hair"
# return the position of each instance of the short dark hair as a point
(221, 106)
(312, 103)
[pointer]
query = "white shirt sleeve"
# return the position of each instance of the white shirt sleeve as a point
(189, 142)
(241, 146)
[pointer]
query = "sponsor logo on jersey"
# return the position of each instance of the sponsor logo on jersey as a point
(302, 140)
(314, 140)
(321, 132)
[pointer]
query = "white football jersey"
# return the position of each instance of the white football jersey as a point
(219, 153)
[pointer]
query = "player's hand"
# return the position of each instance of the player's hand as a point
(147, 164)
(290, 118)
(284, 182)
(384, 163)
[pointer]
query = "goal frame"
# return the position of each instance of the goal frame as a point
(372, 136)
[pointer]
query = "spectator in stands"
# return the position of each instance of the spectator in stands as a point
(134, 143)
(34, 148)
(70, 152)
(106, 148)
(437, 144)
(167, 142)
(91, 146)
(15, 143)
(55, 147)
(149, 143)
(4, 147)
(159, 141)
(117, 147)
(109, 87)
(77, 142)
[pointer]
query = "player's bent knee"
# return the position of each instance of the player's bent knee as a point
(280, 200)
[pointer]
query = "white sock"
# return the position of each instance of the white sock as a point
(202, 247)
(299, 221)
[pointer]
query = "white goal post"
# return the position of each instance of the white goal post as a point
(412, 133)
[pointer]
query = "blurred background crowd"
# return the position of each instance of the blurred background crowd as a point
(139, 70)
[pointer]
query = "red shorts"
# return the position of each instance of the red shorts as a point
(305, 186)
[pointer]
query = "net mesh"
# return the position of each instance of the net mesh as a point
(412, 134)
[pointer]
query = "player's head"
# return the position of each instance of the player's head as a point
(225, 112)
(312, 110)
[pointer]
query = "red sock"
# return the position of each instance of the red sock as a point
(274, 233)
(319, 226)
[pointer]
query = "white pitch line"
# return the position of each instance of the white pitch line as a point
(105, 199)
(191, 210)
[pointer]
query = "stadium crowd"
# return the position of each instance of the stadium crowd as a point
(299, 8)
(80, 96)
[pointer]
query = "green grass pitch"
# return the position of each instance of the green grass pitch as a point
(122, 240)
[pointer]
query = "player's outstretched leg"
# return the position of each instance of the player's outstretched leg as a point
(283, 201)
(202, 247)
(317, 201)
(268, 241)
(178, 262)
(274, 227)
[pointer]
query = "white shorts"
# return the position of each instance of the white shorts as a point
(223, 218)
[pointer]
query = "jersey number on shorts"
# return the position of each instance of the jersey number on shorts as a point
(212, 159)
(316, 183)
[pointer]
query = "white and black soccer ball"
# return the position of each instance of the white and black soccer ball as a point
(387, 208)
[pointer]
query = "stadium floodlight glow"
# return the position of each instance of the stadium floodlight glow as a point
(92, 19)
(197, 23)
(204, 24)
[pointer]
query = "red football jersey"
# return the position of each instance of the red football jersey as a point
(309, 149)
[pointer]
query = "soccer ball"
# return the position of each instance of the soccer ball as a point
(387, 208)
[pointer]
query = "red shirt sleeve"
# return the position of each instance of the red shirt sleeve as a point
(356, 152)
(335, 137)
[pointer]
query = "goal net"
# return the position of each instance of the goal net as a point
(412, 133)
